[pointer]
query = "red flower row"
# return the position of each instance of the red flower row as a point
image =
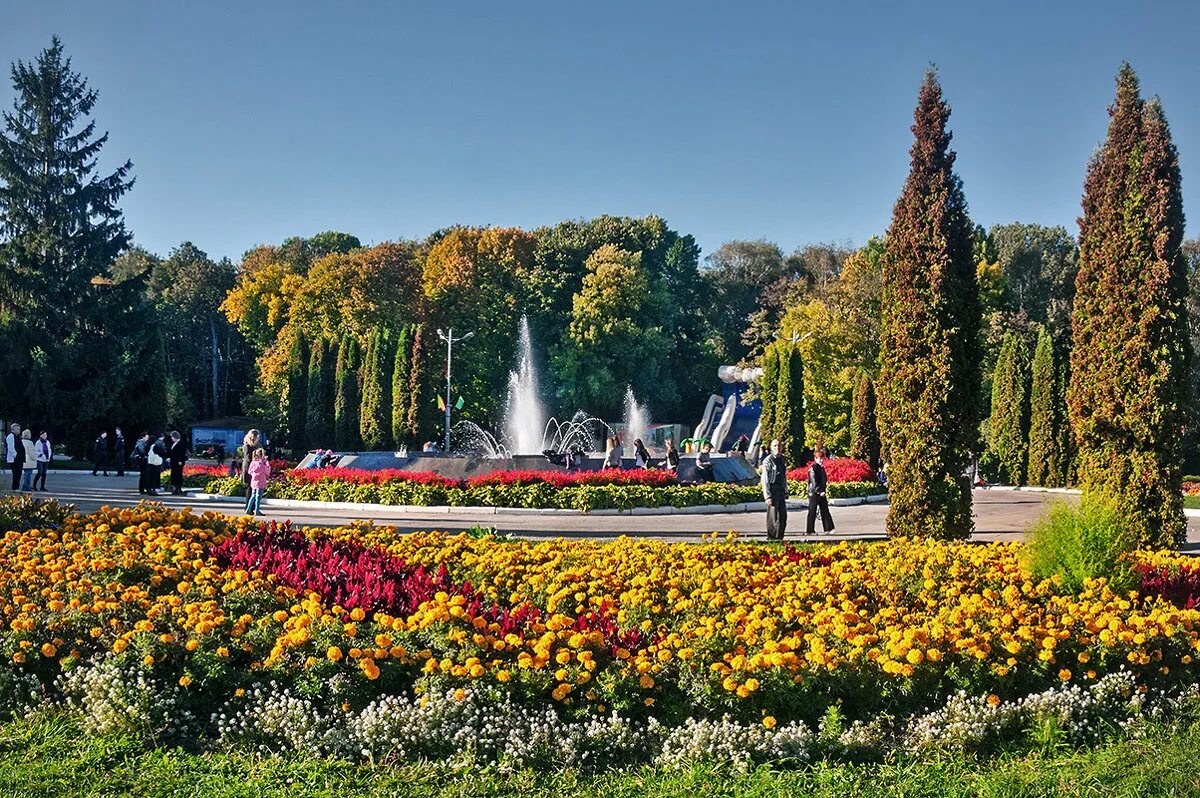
(559, 479)
(359, 476)
(841, 469)
(1181, 588)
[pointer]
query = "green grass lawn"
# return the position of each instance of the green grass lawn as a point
(51, 758)
(1191, 502)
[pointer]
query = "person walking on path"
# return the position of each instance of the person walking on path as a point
(260, 471)
(43, 455)
(641, 455)
(141, 459)
(30, 464)
(100, 454)
(775, 490)
(818, 484)
(119, 452)
(252, 441)
(178, 455)
(14, 454)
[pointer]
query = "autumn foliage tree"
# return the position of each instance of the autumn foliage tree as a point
(928, 391)
(1129, 360)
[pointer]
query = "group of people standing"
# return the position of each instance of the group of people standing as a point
(28, 460)
(614, 454)
(154, 455)
(775, 492)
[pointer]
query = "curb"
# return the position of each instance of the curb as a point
(1190, 513)
(1032, 489)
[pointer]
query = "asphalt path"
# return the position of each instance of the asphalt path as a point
(999, 515)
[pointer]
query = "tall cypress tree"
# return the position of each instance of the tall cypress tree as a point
(345, 406)
(1008, 428)
(864, 432)
(789, 401)
(1047, 411)
(929, 383)
(293, 405)
(375, 420)
(319, 425)
(401, 366)
(769, 390)
(1129, 359)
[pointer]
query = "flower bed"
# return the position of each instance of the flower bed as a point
(362, 640)
(607, 476)
(841, 469)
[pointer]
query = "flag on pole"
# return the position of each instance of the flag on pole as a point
(441, 403)
(459, 404)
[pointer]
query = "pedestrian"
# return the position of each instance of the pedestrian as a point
(641, 455)
(260, 471)
(671, 458)
(45, 453)
(614, 453)
(775, 490)
(14, 454)
(142, 451)
(704, 464)
(119, 452)
(741, 446)
(252, 441)
(30, 456)
(177, 453)
(100, 454)
(818, 484)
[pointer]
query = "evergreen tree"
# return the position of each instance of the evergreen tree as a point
(864, 433)
(319, 424)
(401, 373)
(375, 418)
(293, 404)
(420, 413)
(929, 384)
(769, 390)
(789, 402)
(77, 340)
(1047, 411)
(1129, 359)
(346, 401)
(1008, 427)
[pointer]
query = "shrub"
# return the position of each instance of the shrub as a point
(1078, 544)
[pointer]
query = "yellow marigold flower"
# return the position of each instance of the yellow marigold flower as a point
(646, 682)
(148, 660)
(185, 680)
(460, 694)
(1064, 674)
(18, 657)
(503, 676)
(357, 614)
(48, 650)
(993, 700)
(333, 654)
(769, 721)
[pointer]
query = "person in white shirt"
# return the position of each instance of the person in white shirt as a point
(14, 454)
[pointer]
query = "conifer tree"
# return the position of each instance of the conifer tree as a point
(1008, 428)
(293, 406)
(769, 390)
(864, 433)
(319, 423)
(375, 419)
(346, 401)
(1047, 412)
(1130, 350)
(401, 368)
(789, 402)
(929, 384)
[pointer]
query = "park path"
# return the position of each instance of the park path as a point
(999, 515)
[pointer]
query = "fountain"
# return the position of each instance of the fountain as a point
(637, 420)
(581, 432)
(473, 440)
(524, 425)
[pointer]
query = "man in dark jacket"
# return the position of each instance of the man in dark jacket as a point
(100, 454)
(775, 490)
(818, 484)
(178, 455)
(119, 452)
(140, 457)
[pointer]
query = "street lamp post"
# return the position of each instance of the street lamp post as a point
(450, 340)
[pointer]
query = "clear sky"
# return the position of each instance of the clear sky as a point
(248, 122)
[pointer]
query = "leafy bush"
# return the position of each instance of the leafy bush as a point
(1082, 543)
(19, 513)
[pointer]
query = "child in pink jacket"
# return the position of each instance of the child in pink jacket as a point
(259, 470)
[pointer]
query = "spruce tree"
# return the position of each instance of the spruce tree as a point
(293, 406)
(375, 419)
(346, 401)
(1008, 427)
(769, 390)
(319, 423)
(864, 433)
(929, 384)
(1047, 411)
(400, 376)
(1129, 358)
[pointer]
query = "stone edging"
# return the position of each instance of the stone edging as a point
(404, 509)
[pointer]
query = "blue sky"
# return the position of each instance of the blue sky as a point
(252, 121)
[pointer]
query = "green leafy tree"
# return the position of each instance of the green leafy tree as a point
(320, 394)
(401, 373)
(789, 401)
(293, 404)
(1048, 452)
(928, 392)
(375, 417)
(864, 431)
(1008, 427)
(1129, 359)
(346, 399)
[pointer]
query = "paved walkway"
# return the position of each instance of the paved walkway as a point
(999, 515)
